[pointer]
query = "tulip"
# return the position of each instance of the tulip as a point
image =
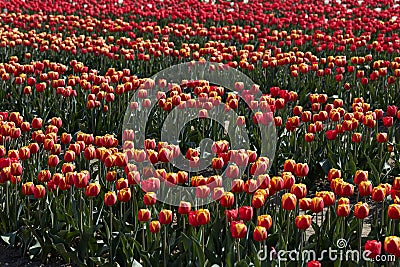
(39, 191)
(144, 215)
(301, 169)
(394, 211)
(346, 189)
(374, 247)
(258, 200)
(299, 190)
(231, 215)
(124, 195)
(154, 227)
(217, 163)
(121, 183)
(305, 203)
(313, 264)
(203, 216)
(165, 216)
(81, 179)
(110, 198)
(356, 137)
(289, 201)
(392, 245)
(381, 137)
(44, 176)
(264, 221)
(246, 213)
(227, 200)
(202, 191)
(260, 233)
(238, 229)
(333, 174)
(303, 221)
(365, 188)
(184, 207)
(277, 183)
(16, 169)
(237, 185)
(28, 188)
(317, 204)
(53, 161)
(378, 194)
(150, 198)
(289, 166)
(343, 210)
(361, 210)
(92, 190)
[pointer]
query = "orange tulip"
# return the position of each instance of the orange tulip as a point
(361, 210)
(289, 201)
(165, 216)
(260, 233)
(110, 198)
(303, 221)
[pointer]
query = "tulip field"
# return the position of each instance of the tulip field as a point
(200, 133)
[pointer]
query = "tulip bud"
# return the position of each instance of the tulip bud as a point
(303, 222)
(317, 204)
(124, 195)
(165, 216)
(374, 247)
(154, 227)
(202, 216)
(392, 245)
(227, 200)
(394, 211)
(378, 194)
(92, 190)
(365, 188)
(39, 191)
(299, 190)
(144, 215)
(110, 198)
(184, 207)
(238, 229)
(260, 233)
(361, 210)
(28, 188)
(246, 213)
(343, 210)
(264, 221)
(150, 198)
(305, 203)
(289, 201)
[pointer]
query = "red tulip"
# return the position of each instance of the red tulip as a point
(260, 233)
(165, 216)
(303, 221)
(154, 227)
(92, 190)
(124, 195)
(289, 201)
(238, 229)
(246, 213)
(39, 191)
(144, 215)
(394, 211)
(184, 207)
(361, 210)
(110, 198)
(374, 247)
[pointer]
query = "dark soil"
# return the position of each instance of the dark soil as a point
(12, 257)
